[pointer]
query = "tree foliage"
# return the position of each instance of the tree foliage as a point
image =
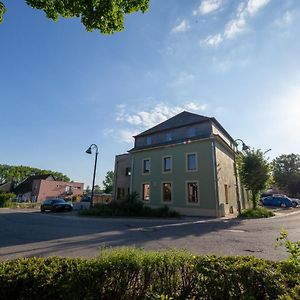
(107, 16)
(254, 171)
(19, 173)
(108, 182)
(286, 173)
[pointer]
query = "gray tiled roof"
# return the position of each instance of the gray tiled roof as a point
(183, 119)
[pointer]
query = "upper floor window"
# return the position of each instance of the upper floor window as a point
(168, 137)
(128, 172)
(191, 162)
(167, 164)
(149, 140)
(146, 166)
(191, 132)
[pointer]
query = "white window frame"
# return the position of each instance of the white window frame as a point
(145, 173)
(162, 192)
(163, 164)
(187, 163)
(142, 192)
(187, 193)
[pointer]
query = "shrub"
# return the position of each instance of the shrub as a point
(5, 198)
(258, 212)
(130, 273)
(131, 207)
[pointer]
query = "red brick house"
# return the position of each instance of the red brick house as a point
(37, 188)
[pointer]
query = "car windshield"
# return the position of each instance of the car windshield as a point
(58, 201)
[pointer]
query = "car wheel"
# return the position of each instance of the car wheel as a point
(282, 205)
(42, 210)
(53, 209)
(294, 204)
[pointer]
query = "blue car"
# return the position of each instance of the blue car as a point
(277, 201)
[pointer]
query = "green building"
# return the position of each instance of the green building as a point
(187, 163)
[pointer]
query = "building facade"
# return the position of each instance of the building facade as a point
(38, 188)
(186, 163)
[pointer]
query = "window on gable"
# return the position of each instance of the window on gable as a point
(128, 172)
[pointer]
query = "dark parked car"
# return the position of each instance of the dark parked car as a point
(56, 205)
(282, 201)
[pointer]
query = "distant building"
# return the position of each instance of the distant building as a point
(186, 163)
(37, 188)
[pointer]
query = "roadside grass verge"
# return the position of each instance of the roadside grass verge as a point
(258, 212)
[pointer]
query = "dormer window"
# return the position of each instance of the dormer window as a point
(191, 132)
(149, 140)
(168, 136)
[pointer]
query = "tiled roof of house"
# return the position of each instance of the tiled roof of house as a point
(26, 185)
(182, 119)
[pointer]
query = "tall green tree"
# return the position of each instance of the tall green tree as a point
(19, 173)
(108, 182)
(107, 16)
(286, 173)
(254, 171)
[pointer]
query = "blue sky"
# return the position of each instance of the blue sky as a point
(62, 88)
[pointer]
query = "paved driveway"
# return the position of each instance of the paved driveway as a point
(31, 233)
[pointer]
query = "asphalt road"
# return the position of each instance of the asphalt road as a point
(31, 233)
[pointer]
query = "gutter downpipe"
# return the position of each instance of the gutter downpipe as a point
(213, 149)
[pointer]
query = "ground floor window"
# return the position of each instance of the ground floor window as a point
(226, 193)
(120, 193)
(146, 191)
(192, 192)
(167, 192)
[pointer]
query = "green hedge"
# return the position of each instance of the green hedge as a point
(135, 274)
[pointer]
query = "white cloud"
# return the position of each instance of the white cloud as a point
(255, 5)
(183, 78)
(208, 6)
(142, 120)
(181, 27)
(213, 40)
(287, 18)
(238, 24)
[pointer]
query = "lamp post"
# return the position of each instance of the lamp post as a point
(89, 151)
(244, 148)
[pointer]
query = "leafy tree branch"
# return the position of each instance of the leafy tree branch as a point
(107, 16)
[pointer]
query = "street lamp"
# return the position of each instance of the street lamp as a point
(244, 148)
(89, 151)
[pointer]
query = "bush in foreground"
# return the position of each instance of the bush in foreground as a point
(129, 273)
(258, 212)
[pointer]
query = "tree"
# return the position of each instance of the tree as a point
(107, 16)
(108, 182)
(286, 173)
(19, 173)
(254, 171)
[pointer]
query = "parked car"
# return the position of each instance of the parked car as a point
(295, 202)
(56, 205)
(281, 201)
